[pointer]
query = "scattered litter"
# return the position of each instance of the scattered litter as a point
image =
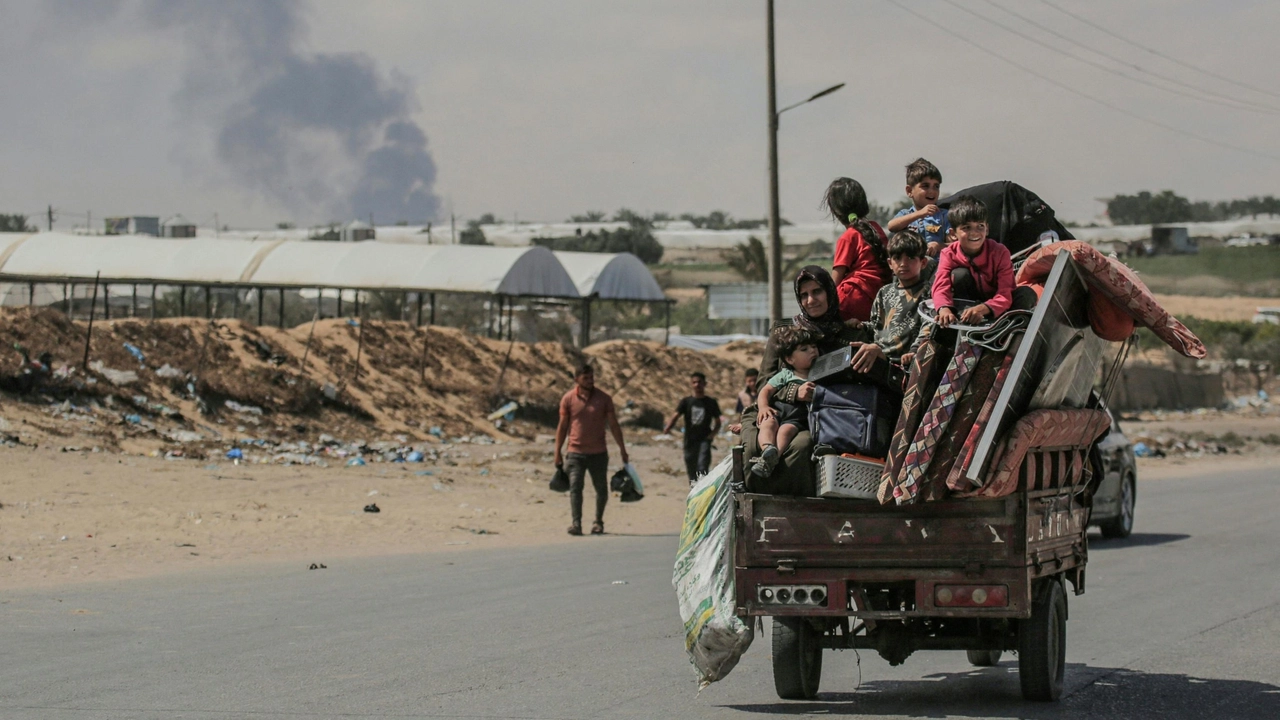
(414, 457)
(484, 471)
(664, 436)
(62, 539)
(318, 566)
(475, 531)
(330, 392)
(372, 508)
(506, 411)
(436, 431)
(133, 419)
(424, 473)
(169, 371)
(115, 377)
(185, 436)
(137, 354)
(619, 582)
(372, 493)
(235, 454)
(355, 462)
(234, 406)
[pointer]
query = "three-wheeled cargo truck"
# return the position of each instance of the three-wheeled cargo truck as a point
(984, 575)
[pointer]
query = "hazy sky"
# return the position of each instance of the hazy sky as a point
(313, 111)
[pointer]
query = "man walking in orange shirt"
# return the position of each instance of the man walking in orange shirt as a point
(584, 413)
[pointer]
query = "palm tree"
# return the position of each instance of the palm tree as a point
(751, 262)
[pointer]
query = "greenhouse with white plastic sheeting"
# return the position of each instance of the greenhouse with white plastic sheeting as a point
(291, 281)
(620, 277)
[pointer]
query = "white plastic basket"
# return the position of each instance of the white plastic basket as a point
(842, 477)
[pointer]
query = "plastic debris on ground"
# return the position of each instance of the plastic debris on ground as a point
(714, 637)
(136, 353)
(235, 454)
(234, 406)
(506, 411)
(372, 508)
(115, 377)
(355, 461)
(168, 371)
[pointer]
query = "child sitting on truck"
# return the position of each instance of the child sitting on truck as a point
(894, 319)
(780, 422)
(975, 273)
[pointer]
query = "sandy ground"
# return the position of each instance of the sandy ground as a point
(70, 517)
(84, 516)
(1214, 308)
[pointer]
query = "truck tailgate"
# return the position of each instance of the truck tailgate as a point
(804, 532)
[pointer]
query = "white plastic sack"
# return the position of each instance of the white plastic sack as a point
(714, 637)
(635, 477)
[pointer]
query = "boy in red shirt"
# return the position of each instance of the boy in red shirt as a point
(975, 273)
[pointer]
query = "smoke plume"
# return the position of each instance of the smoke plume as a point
(326, 135)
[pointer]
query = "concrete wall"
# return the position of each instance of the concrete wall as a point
(1145, 387)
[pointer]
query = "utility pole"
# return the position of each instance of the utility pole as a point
(50, 218)
(88, 223)
(453, 229)
(775, 236)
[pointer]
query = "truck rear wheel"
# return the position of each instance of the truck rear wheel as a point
(1042, 644)
(984, 658)
(797, 658)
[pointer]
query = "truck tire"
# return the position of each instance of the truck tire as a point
(797, 658)
(1042, 643)
(984, 658)
(1121, 526)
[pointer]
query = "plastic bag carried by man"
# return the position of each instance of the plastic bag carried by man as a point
(714, 636)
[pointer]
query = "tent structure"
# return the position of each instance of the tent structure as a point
(280, 264)
(617, 277)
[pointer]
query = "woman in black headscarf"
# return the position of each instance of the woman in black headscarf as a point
(820, 316)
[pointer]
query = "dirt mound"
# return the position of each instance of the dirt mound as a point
(747, 353)
(197, 375)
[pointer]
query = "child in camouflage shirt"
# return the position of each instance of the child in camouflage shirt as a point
(894, 319)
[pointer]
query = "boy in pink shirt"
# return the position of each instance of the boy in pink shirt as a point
(975, 273)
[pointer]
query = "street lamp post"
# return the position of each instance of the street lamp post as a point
(775, 219)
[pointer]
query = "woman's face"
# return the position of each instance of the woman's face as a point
(813, 299)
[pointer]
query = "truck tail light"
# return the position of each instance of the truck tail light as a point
(971, 595)
(792, 594)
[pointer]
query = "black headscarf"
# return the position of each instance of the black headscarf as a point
(830, 323)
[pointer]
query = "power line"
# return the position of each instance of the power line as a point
(1157, 53)
(1105, 103)
(1121, 61)
(1092, 63)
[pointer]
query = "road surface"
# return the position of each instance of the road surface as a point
(1180, 621)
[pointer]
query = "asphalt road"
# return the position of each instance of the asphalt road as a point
(1180, 621)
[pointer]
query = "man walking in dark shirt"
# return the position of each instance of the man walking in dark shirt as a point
(701, 423)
